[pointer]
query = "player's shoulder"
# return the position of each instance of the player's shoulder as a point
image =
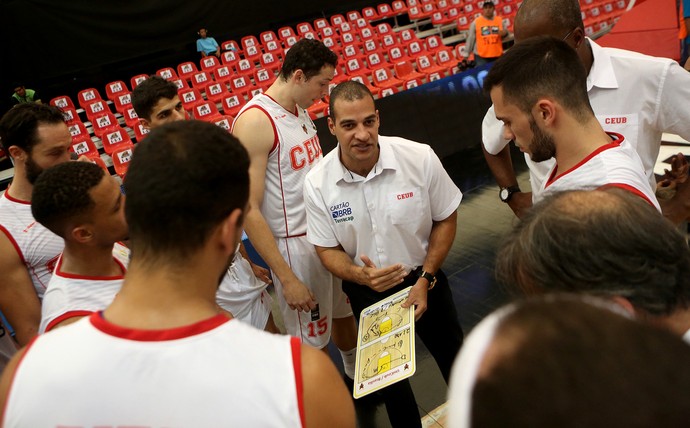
(404, 146)
(635, 62)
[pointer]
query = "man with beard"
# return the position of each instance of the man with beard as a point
(36, 137)
(539, 91)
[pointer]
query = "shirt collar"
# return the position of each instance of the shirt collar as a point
(601, 74)
(386, 160)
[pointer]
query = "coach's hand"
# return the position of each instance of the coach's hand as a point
(418, 297)
(380, 279)
(298, 296)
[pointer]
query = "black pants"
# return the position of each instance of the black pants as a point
(438, 328)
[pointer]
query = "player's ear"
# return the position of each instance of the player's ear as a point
(82, 234)
(231, 231)
(331, 125)
(145, 123)
(17, 153)
(544, 111)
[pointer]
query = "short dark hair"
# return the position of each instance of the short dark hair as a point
(605, 242)
(566, 363)
(62, 192)
(542, 67)
(147, 94)
(563, 15)
(18, 127)
(183, 180)
(349, 90)
(307, 55)
(488, 3)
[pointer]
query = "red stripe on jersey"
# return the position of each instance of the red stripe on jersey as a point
(13, 199)
(282, 196)
(13, 242)
(630, 189)
(156, 335)
(66, 316)
(58, 272)
(14, 376)
(600, 149)
(297, 366)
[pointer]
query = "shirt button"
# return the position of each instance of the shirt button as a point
(380, 250)
(373, 228)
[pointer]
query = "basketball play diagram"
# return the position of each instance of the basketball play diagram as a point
(385, 346)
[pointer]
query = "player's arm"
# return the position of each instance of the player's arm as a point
(336, 260)
(326, 399)
(440, 241)
(500, 163)
(7, 378)
(259, 272)
(18, 300)
(255, 131)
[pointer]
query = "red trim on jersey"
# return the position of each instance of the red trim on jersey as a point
(66, 316)
(98, 321)
(13, 199)
(58, 272)
(630, 189)
(14, 376)
(600, 149)
(297, 367)
(296, 236)
(282, 196)
(273, 125)
(294, 113)
(14, 243)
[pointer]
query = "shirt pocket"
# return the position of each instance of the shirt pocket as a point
(404, 205)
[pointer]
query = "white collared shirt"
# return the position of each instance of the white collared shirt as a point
(387, 215)
(635, 95)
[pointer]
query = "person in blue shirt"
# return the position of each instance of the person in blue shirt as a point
(207, 45)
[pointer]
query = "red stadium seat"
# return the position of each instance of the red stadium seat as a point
(370, 14)
(186, 70)
(70, 115)
(304, 27)
(249, 41)
(263, 78)
(167, 73)
(252, 53)
(270, 62)
(405, 71)
(121, 160)
(388, 91)
(383, 78)
(115, 140)
(397, 54)
(336, 20)
(230, 45)
(364, 81)
(209, 63)
(229, 57)
(286, 32)
(353, 15)
(136, 80)
(62, 102)
(375, 60)
(200, 79)
(385, 10)
(232, 104)
(190, 97)
(215, 91)
(104, 123)
(389, 40)
(426, 64)
(206, 111)
(355, 67)
(96, 108)
(398, 6)
(224, 122)
(407, 36)
(84, 147)
(321, 23)
(131, 117)
(268, 36)
(86, 96)
(180, 83)
(115, 89)
(223, 74)
(245, 67)
(241, 85)
(78, 131)
(140, 132)
(123, 102)
(273, 47)
(433, 43)
(415, 48)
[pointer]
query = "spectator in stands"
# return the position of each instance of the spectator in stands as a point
(161, 354)
(485, 36)
(568, 362)
(23, 95)
(36, 137)
(156, 102)
(635, 95)
(607, 243)
(207, 45)
(83, 204)
(539, 91)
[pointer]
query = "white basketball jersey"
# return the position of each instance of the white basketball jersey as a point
(295, 150)
(616, 164)
(214, 373)
(70, 295)
(37, 247)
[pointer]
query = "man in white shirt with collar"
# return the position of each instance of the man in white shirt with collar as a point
(381, 212)
(635, 95)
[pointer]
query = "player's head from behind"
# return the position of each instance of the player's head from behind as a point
(187, 189)
(533, 87)
(156, 102)
(309, 65)
(561, 361)
(561, 19)
(36, 137)
(81, 203)
(609, 243)
(354, 121)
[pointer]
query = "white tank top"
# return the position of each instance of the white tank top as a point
(295, 151)
(70, 295)
(38, 248)
(214, 373)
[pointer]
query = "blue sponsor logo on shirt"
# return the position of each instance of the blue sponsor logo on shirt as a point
(341, 212)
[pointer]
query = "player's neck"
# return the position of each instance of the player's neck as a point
(162, 296)
(20, 188)
(578, 141)
(678, 322)
(89, 261)
(281, 92)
